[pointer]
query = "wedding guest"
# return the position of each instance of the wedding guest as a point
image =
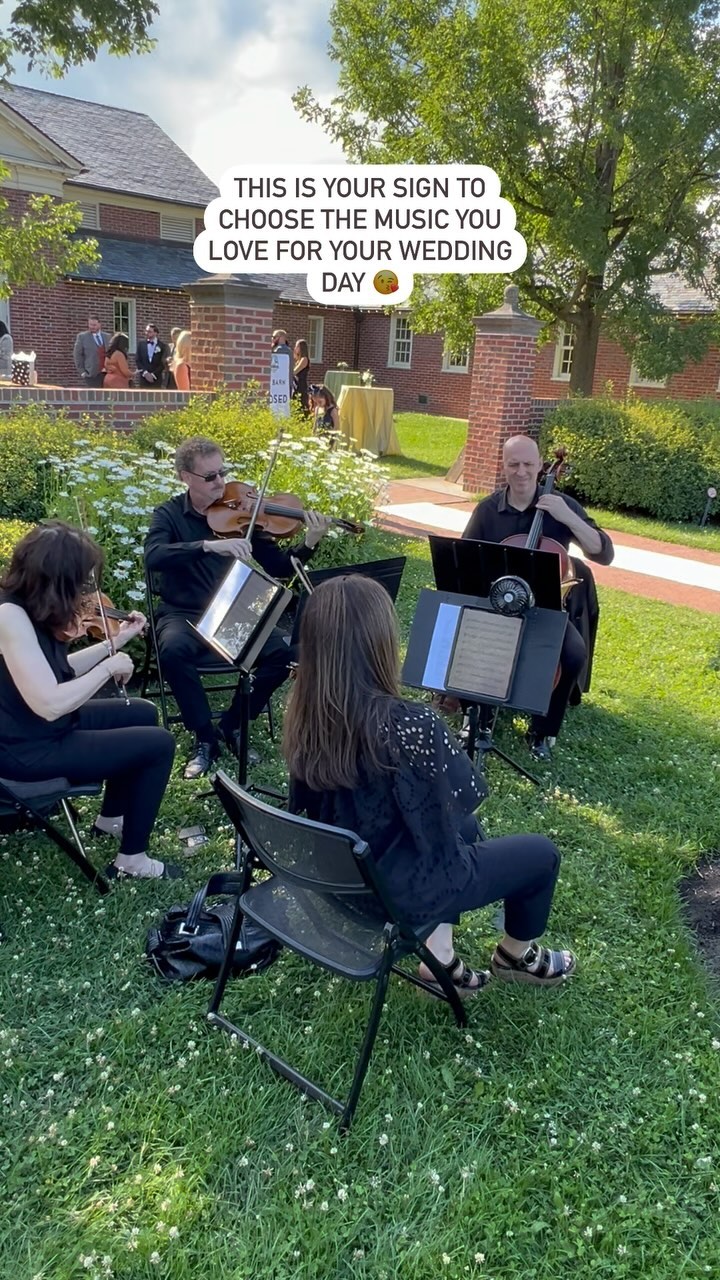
(301, 372)
(89, 353)
(117, 370)
(6, 351)
(180, 366)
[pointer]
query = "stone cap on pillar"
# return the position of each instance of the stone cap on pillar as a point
(508, 319)
(233, 291)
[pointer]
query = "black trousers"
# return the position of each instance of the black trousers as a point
(572, 661)
(180, 651)
(119, 745)
(519, 870)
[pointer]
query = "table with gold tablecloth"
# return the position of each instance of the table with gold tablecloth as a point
(336, 379)
(366, 418)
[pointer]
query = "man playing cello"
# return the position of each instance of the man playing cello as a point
(190, 561)
(510, 510)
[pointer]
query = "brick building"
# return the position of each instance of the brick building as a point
(143, 199)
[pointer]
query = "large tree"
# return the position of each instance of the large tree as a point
(55, 35)
(602, 120)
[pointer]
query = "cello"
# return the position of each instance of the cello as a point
(535, 540)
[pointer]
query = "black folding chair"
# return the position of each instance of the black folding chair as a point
(326, 901)
(153, 683)
(34, 804)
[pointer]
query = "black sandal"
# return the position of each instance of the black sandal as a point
(550, 968)
(468, 982)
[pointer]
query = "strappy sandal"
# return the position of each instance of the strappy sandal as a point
(170, 871)
(549, 968)
(468, 982)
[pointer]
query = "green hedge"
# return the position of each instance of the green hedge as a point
(654, 457)
(241, 422)
(29, 435)
(11, 531)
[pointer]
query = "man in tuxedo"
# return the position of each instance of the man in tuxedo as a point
(89, 353)
(150, 359)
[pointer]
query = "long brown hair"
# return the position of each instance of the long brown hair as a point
(50, 572)
(347, 675)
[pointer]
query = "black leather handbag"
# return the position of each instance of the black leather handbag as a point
(190, 942)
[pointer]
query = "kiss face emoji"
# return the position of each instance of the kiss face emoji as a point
(386, 282)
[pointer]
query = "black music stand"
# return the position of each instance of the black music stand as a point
(236, 625)
(387, 572)
(520, 676)
(472, 566)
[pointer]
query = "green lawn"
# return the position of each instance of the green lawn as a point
(570, 1133)
(430, 446)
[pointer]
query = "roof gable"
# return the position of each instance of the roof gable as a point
(118, 150)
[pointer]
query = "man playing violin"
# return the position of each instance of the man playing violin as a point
(189, 562)
(510, 510)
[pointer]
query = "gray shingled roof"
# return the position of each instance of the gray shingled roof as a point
(120, 150)
(163, 265)
(675, 294)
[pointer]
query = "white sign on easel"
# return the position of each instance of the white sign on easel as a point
(280, 384)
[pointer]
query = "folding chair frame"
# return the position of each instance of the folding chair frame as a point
(400, 940)
(74, 848)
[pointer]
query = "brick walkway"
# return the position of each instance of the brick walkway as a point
(644, 567)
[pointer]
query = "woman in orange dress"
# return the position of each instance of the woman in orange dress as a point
(180, 365)
(117, 370)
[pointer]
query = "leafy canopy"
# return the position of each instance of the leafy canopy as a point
(602, 119)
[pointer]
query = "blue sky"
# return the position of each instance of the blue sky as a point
(220, 80)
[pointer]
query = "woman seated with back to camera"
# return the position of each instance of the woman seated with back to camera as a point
(49, 727)
(362, 758)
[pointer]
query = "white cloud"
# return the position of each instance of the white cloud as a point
(220, 81)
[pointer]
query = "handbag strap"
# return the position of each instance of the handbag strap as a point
(222, 882)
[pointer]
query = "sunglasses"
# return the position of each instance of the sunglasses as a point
(209, 476)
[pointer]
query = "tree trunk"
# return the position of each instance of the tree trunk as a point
(587, 334)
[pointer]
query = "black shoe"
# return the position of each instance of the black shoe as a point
(205, 756)
(231, 738)
(539, 747)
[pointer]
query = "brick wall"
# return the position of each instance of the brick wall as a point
(121, 410)
(47, 320)
(447, 393)
(613, 365)
(338, 333)
(142, 224)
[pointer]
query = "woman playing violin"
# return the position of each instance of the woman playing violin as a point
(50, 723)
(190, 560)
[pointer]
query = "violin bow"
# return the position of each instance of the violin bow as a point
(122, 691)
(263, 487)
(301, 575)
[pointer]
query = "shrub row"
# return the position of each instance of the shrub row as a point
(657, 457)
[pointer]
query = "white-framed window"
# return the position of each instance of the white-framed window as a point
(90, 214)
(172, 228)
(400, 348)
(456, 361)
(315, 334)
(636, 379)
(125, 320)
(564, 348)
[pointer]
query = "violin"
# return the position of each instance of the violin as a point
(534, 539)
(280, 516)
(89, 619)
(91, 616)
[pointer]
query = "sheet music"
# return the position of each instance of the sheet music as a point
(441, 646)
(484, 656)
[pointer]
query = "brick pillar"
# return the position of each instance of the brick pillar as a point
(501, 391)
(231, 326)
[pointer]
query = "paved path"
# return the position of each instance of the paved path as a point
(642, 566)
